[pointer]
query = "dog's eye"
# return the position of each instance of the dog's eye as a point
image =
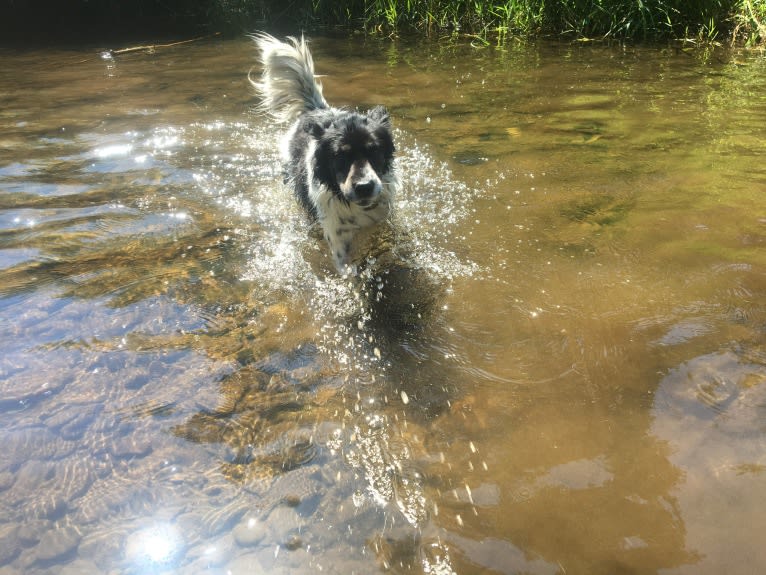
(345, 156)
(345, 153)
(375, 154)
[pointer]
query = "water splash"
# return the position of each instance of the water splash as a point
(286, 257)
(433, 206)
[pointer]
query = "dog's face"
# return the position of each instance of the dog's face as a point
(354, 153)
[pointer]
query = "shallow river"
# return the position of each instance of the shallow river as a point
(564, 374)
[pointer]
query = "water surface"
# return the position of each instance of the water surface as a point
(562, 370)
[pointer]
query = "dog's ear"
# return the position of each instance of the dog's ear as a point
(317, 128)
(380, 115)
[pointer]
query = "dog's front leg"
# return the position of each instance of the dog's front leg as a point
(341, 242)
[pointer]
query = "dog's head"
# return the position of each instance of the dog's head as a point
(354, 153)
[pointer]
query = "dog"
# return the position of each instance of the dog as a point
(340, 163)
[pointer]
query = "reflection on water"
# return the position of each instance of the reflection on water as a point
(555, 364)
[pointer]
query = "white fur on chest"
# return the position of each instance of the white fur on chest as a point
(346, 226)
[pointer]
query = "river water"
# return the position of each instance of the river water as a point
(565, 374)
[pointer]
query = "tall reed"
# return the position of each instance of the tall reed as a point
(488, 20)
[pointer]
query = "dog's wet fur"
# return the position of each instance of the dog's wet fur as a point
(340, 163)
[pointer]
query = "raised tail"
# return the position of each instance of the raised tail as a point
(288, 85)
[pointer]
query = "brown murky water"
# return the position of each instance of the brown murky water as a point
(567, 375)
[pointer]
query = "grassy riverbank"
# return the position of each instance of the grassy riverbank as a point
(491, 21)
(706, 20)
(742, 21)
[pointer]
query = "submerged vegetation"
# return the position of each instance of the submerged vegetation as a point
(742, 21)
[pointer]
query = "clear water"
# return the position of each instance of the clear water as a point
(566, 373)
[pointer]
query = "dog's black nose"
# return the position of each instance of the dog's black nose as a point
(364, 190)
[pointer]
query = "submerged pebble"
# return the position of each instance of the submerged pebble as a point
(10, 545)
(246, 564)
(213, 553)
(102, 548)
(250, 532)
(285, 524)
(57, 544)
(79, 567)
(6, 480)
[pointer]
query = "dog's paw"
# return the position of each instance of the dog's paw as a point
(345, 267)
(349, 271)
(341, 246)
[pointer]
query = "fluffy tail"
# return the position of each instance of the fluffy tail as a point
(288, 85)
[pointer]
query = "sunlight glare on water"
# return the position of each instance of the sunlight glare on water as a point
(154, 548)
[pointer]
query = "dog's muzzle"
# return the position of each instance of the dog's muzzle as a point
(362, 184)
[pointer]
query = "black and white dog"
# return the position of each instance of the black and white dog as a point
(340, 163)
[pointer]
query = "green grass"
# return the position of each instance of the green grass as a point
(750, 22)
(496, 20)
(486, 21)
